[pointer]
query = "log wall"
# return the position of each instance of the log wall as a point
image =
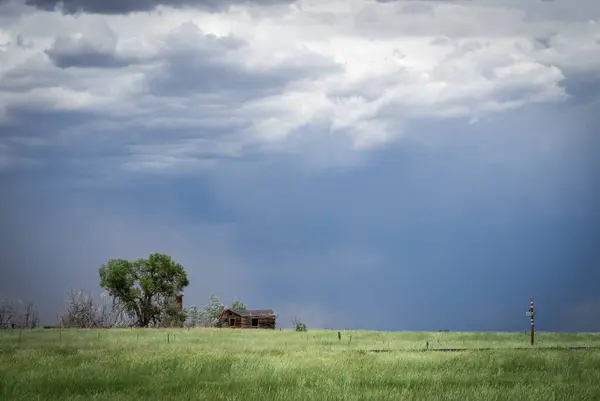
(226, 318)
(263, 323)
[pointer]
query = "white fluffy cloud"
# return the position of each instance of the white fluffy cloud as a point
(250, 78)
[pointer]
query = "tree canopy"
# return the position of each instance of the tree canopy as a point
(236, 304)
(146, 287)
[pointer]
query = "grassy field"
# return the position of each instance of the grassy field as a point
(207, 364)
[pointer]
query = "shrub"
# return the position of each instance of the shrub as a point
(299, 325)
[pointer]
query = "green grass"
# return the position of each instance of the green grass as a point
(284, 365)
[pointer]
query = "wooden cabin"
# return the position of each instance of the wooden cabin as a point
(248, 319)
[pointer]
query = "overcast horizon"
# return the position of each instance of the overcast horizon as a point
(385, 165)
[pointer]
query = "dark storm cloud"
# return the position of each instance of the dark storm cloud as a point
(484, 219)
(86, 147)
(194, 63)
(465, 231)
(125, 7)
(37, 134)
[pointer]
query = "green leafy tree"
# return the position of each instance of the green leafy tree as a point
(144, 286)
(236, 304)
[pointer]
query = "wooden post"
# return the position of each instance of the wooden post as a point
(532, 326)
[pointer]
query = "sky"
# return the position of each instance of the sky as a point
(359, 164)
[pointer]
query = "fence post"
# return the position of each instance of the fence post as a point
(531, 314)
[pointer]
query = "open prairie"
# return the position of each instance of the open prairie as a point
(213, 364)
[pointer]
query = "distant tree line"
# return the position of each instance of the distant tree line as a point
(141, 293)
(83, 311)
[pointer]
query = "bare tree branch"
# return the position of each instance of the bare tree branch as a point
(14, 315)
(83, 311)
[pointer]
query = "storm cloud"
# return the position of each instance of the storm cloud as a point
(326, 159)
(125, 7)
(81, 51)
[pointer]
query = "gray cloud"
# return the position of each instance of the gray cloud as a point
(98, 51)
(9, 11)
(33, 73)
(125, 7)
(199, 63)
(467, 220)
(472, 211)
(269, 78)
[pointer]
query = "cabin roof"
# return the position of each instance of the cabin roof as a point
(252, 312)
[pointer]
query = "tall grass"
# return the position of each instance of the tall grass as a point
(286, 365)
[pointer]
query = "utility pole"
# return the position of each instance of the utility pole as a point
(531, 314)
